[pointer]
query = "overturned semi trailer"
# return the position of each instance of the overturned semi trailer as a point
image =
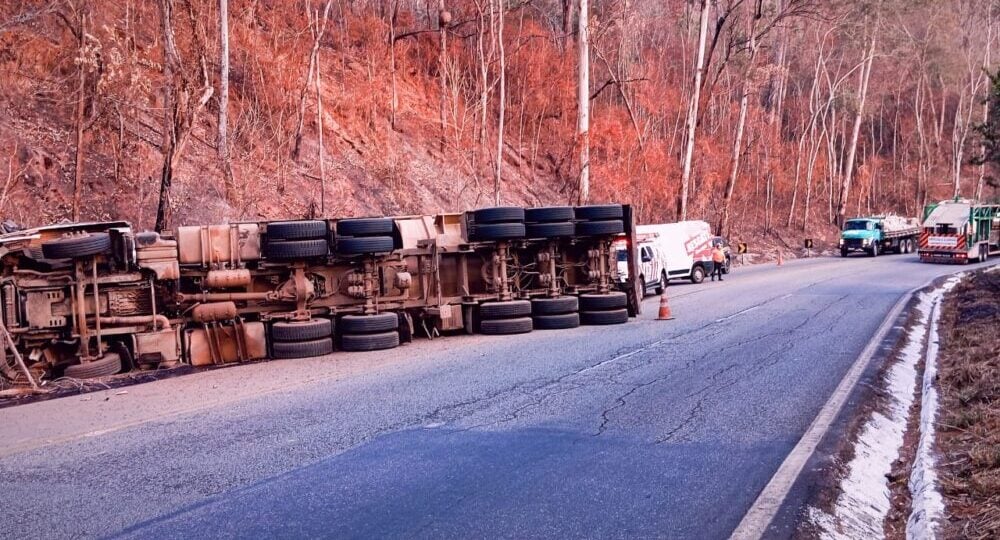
(93, 299)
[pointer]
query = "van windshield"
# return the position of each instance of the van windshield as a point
(857, 226)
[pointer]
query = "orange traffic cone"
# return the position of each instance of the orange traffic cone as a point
(664, 309)
(780, 260)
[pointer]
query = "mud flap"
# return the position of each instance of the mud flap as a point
(634, 293)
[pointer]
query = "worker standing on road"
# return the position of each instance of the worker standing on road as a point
(719, 260)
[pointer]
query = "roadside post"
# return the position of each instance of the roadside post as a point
(742, 249)
(809, 247)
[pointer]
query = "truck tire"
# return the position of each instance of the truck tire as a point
(365, 227)
(491, 311)
(286, 250)
(549, 214)
(497, 231)
(301, 349)
(873, 252)
(561, 321)
(550, 230)
(364, 245)
(559, 305)
(844, 252)
(599, 212)
(498, 327)
(109, 364)
(296, 230)
(73, 247)
(499, 214)
(369, 342)
(369, 324)
(615, 316)
(697, 274)
(600, 228)
(603, 302)
(301, 330)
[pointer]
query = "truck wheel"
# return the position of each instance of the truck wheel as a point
(603, 302)
(556, 322)
(364, 227)
(599, 212)
(369, 342)
(550, 230)
(844, 252)
(491, 311)
(109, 364)
(554, 306)
(301, 330)
(697, 274)
(616, 316)
(302, 349)
(662, 285)
(73, 247)
(497, 231)
(600, 228)
(549, 214)
(349, 245)
(874, 251)
(499, 214)
(521, 325)
(296, 230)
(369, 324)
(285, 250)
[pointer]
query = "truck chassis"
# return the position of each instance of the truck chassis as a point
(93, 299)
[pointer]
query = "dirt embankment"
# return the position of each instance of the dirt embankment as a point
(969, 422)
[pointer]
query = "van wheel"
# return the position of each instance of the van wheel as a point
(697, 274)
(662, 285)
(645, 286)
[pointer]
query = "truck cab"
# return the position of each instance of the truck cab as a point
(860, 234)
(652, 266)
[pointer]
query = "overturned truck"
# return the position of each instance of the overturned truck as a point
(94, 299)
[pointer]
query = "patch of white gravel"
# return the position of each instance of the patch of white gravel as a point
(864, 500)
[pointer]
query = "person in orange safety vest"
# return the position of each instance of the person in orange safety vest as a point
(719, 260)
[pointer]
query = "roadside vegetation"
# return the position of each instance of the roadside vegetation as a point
(969, 423)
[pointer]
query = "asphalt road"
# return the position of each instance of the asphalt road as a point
(649, 429)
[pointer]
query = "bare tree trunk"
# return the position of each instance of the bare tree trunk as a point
(297, 144)
(444, 19)
(845, 188)
(81, 104)
(583, 101)
(223, 142)
(392, 63)
(319, 122)
(567, 20)
(692, 121)
(502, 97)
(734, 163)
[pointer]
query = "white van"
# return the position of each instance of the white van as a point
(686, 248)
(651, 265)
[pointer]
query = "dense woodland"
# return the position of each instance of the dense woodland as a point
(765, 117)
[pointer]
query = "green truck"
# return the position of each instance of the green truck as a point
(879, 234)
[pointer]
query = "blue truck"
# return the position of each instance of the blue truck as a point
(879, 234)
